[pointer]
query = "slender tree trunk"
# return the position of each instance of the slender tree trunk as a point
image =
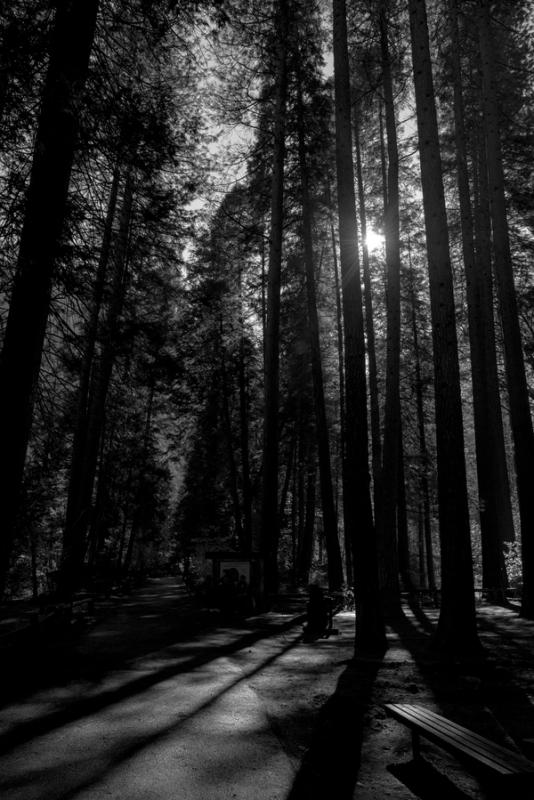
(426, 527)
(335, 566)
(387, 518)
(457, 632)
(520, 415)
(75, 497)
(288, 476)
(402, 525)
(270, 521)
(41, 233)
(308, 528)
(482, 225)
(78, 514)
(138, 502)
(374, 407)
(102, 479)
(227, 417)
(339, 328)
(244, 429)
(370, 632)
(486, 400)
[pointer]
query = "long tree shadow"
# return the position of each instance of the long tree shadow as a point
(465, 691)
(133, 743)
(82, 707)
(151, 619)
(156, 616)
(330, 766)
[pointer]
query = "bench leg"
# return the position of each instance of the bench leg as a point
(416, 745)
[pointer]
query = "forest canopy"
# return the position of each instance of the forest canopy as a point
(267, 286)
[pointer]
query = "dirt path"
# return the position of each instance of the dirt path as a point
(153, 710)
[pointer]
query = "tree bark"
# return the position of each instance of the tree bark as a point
(425, 538)
(41, 233)
(244, 428)
(78, 513)
(489, 440)
(457, 632)
(520, 415)
(374, 408)
(75, 496)
(340, 348)
(270, 522)
(334, 565)
(370, 632)
(386, 519)
(227, 418)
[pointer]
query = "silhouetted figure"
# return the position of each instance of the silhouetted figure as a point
(319, 612)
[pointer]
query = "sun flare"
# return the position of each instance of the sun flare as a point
(374, 240)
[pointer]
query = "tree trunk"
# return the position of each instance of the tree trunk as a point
(501, 481)
(305, 554)
(244, 429)
(486, 400)
(227, 418)
(75, 497)
(78, 513)
(335, 565)
(370, 632)
(387, 518)
(457, 632)
(41, 233)
(270, 521)
(520, 416)
(426, 528)
(402, 525)
(138, 501)
(339, 328)
(374, 408)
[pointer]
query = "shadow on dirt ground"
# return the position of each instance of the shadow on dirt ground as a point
(120, 629)
(488, 695)
(78, 661)
(64, 774)
(333, 760)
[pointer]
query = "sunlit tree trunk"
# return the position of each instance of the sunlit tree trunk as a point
(386, 519)
(457, 632)
(334, 562)
(340, 349)
(370, 632)
(374, 407)
(45, 210)
(520, 415)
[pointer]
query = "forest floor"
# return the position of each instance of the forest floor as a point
(155, 700)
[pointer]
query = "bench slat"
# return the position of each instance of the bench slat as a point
(458, 739)
(479, 743)
(467, 737)
(463, 739)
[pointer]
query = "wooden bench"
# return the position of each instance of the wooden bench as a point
(508, 768)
